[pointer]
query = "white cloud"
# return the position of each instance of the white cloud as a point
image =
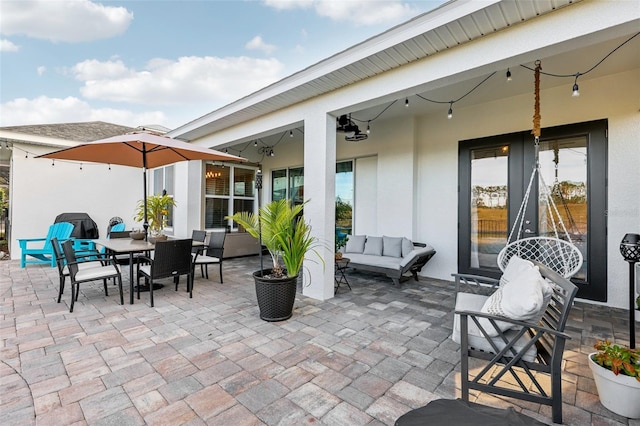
(43, 109)
(355, 12)
(257, 43)
(63, 21)
(185, 81)
(41, 70)
(8, 46)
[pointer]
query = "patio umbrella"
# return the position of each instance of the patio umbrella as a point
(139, 149)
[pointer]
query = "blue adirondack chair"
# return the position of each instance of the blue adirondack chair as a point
(39, 250)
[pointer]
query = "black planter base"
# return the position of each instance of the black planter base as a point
(275, 296)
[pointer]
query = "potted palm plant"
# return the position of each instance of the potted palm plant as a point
(157, 211)
(287, 236)
(616, 371)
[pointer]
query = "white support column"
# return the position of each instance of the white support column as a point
(319, 189)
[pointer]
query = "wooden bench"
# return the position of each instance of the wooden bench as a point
(521, 353)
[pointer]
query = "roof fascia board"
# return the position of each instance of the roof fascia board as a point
(25, 138)
(442, 15)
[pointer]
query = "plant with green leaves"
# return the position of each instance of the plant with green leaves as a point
(285, 234)
(158, 207)
(618, 359)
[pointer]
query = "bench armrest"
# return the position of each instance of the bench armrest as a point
(420, 254)
(474, 283)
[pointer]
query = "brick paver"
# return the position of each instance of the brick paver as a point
(365, 357)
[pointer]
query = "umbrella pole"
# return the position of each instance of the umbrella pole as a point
(144, 191)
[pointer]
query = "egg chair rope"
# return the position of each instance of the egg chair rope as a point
(557, 253)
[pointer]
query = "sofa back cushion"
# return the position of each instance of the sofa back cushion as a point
(355, 244)
(373, 245)
(391, 246)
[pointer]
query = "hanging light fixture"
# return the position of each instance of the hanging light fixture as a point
(508, 74)
(450, 112)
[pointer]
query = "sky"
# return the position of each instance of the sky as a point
(162, 62)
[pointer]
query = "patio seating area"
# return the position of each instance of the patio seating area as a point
(365, 357)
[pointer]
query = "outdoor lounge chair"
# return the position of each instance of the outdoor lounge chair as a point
(522, 359)
(40, 250)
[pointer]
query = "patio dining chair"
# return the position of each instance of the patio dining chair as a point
(212, 255)
(80, 274)
(40, 250)
(90, 261)
(171, 259)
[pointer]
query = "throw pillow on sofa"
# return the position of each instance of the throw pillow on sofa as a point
(407, 246)
(373, 246)
(355, 244)
(392, 246)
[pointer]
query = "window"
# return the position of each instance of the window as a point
(289, 184)
(163, 182)
(344, 197)
(228, 190)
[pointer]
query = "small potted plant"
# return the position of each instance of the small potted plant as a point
(616, 371)
(157, 211)
(287, 236)
(341, 241)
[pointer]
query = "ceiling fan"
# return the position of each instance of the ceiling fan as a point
(351, 130)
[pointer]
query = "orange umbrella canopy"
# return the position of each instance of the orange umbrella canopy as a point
(139, 150)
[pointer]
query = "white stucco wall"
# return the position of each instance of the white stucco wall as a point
(40, 192)
(616, 98)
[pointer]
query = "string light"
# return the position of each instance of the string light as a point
(406, 102)
(368, 127)
(80, 166)
(255, 143)
(450, 112)
(290, 133)
(508, 74)
(576, 90)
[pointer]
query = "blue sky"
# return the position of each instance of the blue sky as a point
(167, 62)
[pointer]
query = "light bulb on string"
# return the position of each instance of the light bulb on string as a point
(80, 166)
(450, 112)
(255, 143)
(290, 133)
(406, 102)
(368, 128)
(575, 90)
(508, 74)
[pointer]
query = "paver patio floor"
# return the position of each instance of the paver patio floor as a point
(365, 357)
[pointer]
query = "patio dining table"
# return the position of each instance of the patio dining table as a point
(130, 246)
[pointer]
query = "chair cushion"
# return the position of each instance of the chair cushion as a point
(392, 246)
(407, 246)
(373, 245)
(355, 244)
(88, 274)
(202, 260)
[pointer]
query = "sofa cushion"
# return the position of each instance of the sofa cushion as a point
(391, 246)
(407, 246)
(355, 244)
(373, 245)
(375, 262)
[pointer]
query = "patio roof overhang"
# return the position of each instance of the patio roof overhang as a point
(444, 29)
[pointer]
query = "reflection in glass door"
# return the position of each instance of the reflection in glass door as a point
(563, 166)
(489, 179)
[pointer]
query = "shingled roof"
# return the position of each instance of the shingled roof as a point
(78, 132)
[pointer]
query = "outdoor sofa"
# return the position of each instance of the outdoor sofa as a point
(393, 256)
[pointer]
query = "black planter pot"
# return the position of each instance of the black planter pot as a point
(275, 296)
